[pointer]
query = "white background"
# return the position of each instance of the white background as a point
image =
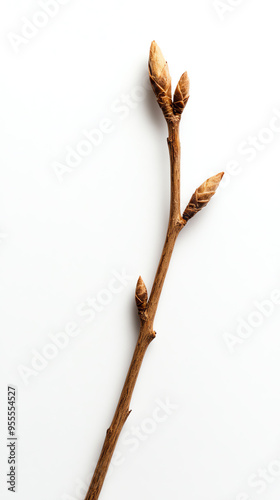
(61, 242)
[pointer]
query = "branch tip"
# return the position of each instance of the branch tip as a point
(160, 80)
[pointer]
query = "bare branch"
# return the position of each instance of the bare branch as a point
(161, 83)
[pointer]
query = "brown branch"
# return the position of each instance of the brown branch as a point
(161, 83)
(176, 222)
(121, 414)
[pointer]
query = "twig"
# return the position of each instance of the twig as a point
(172, 110)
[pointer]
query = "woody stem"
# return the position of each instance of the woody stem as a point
(146, 334)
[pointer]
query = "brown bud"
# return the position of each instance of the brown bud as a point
(181, 94)
(202, 196)
(160, 80)
(141, 295)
